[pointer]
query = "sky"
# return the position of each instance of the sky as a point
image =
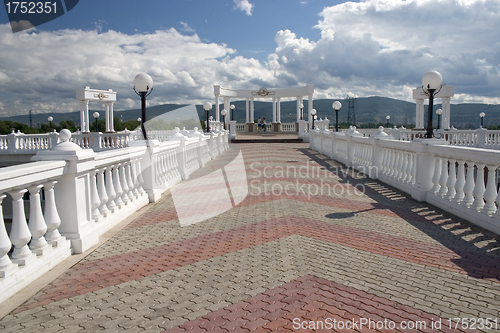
(364, 48)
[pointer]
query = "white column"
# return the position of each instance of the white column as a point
(110, 190)
(84, 111)
(298, 108)
(101, 190)
(252, 110)
(117, 186)
(445, 118)
(217, 107)
(94, 196)
(106, 117)
(419, 117)
(274, 109)
(278, 109)
(247, 108)
(109, 117)
(227, 106)
(309, 107)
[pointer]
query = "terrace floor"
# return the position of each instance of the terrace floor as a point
(312, 245)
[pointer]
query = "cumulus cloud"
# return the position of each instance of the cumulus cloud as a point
(42, 70)
(374, 47)
(244, 5)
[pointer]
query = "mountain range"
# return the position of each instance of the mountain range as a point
(367, 110)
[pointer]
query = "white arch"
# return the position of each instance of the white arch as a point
(108, 97)
(275, 94)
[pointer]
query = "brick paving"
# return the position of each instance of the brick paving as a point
(313, 247)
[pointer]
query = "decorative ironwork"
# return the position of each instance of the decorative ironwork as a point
(101, 96)
(263, 92)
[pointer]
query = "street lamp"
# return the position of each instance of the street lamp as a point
(95, 115)
(313, 113)
(50, 123)
(439, 112)
(223, 113)
(143, 86)
(387, 118)
(482, 114)
(337, 106)
(232, 111)
(208, 107)
(301, 107)
(431, 81)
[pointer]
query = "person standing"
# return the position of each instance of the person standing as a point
(259, 124)
(264, 124)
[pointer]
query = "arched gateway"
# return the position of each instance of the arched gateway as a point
(275, 94)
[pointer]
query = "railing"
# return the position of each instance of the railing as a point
(240, 127)
(288, 127)
(460, 180)
(74, 195)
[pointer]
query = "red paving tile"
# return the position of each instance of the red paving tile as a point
(317, 316)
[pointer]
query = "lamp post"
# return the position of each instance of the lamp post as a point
(337, 106)
(313, 113)
(431, 81)
(439, 112)
(232, 112)
(207, 107)
(96, 115)
(301, 107)
(50, 123)
(143, 86)
(387, 118)
(482, 114)
(223, 113)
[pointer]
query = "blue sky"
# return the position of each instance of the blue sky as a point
(366, 48)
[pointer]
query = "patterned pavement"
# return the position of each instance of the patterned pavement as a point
(313, 247)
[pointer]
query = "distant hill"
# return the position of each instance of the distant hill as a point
(367, 109)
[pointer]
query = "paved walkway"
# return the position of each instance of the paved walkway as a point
(311, 246)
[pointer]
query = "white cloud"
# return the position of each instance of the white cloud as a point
(244, 5)
(186, 27)
(384, 47)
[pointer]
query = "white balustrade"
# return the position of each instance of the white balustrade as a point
(461, 180)
(85, 193)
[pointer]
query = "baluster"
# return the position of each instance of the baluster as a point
(392, 158)
(123, 181)
(400, 165)
(469, 185)
(409, 169)
(130, 184)
(110, 189)
(133, 174)
(94, 196)
(459, 185)
(36, 224)
(452, 179)
(20, 233)
(118, 188)
(101, 190)
(437, 175)
(6, 266)
(491, 191)
(139, 177)
(385, 162)
(479, 189)
(51, 216)
(404, 168)
(444, 177)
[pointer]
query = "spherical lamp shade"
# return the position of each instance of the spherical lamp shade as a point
(223, 112)
(388, 117)
(50, 118)
(482, 114)
(313, 112)
(337, 105)
(143, 83)
(432, 80)
(232, 107)
(95, 115)
(207, 106)
(439, 112)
